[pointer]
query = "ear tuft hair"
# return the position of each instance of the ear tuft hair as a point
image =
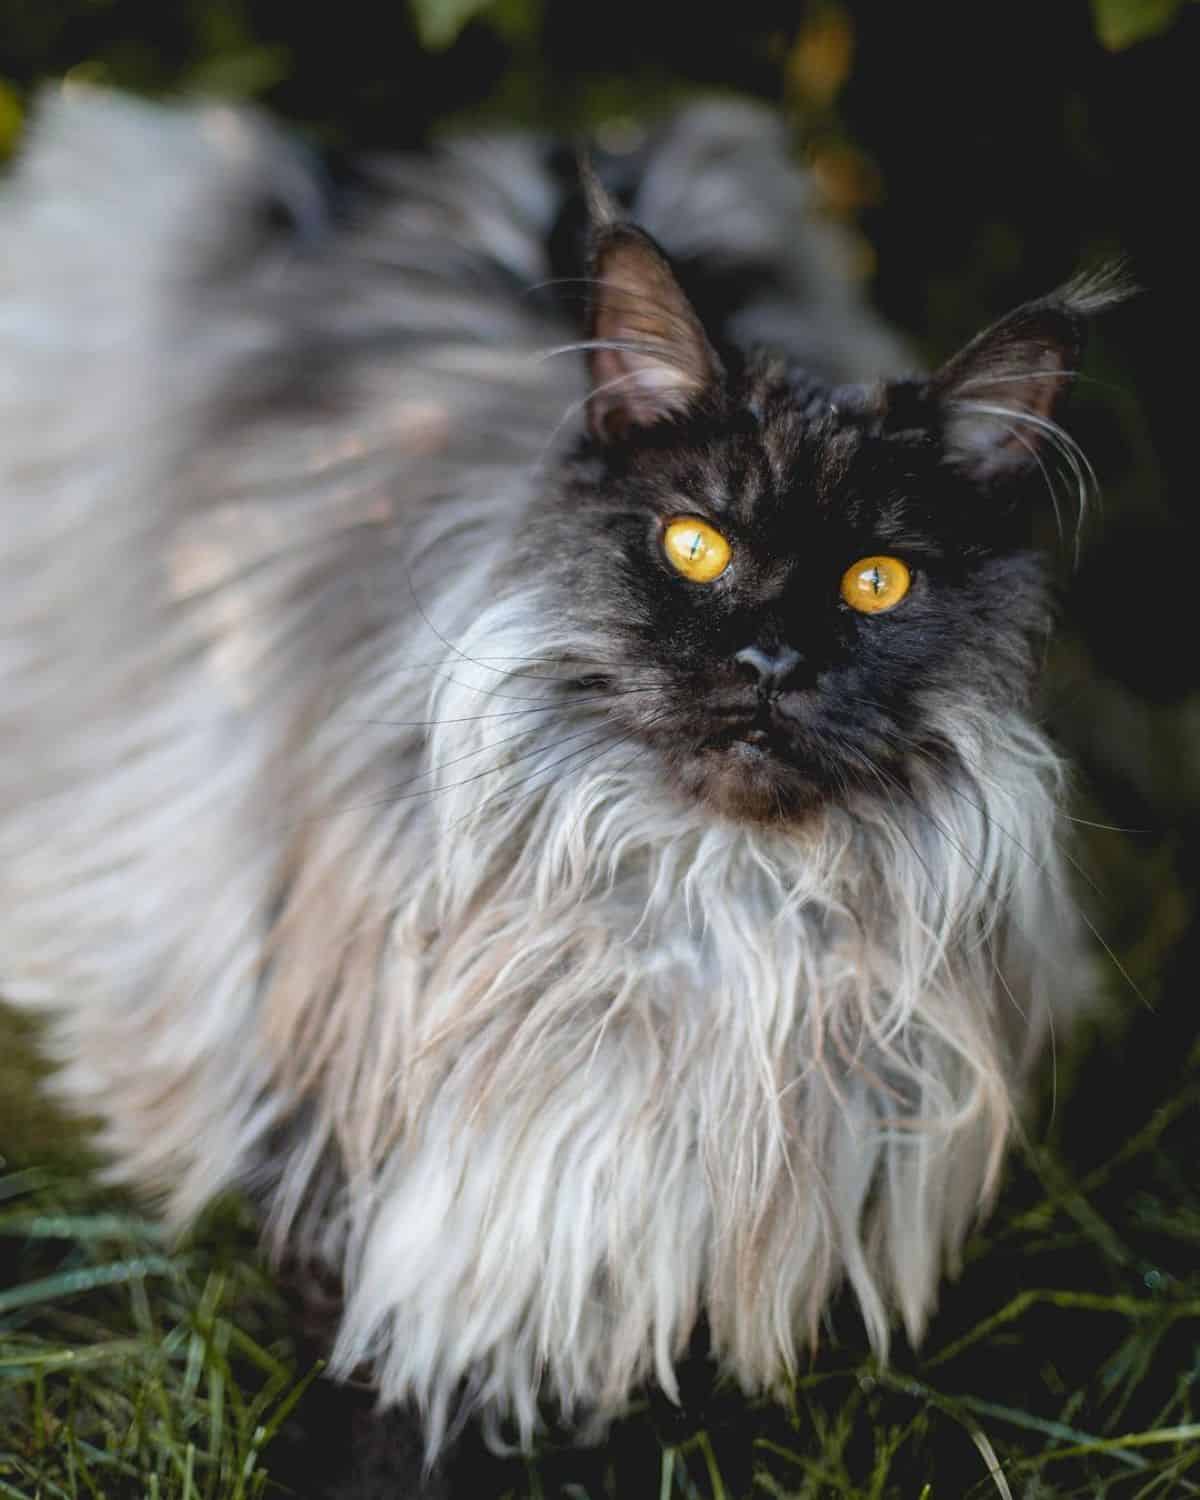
(1000, 394)
(602, 210)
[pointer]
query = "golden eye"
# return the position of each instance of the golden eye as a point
(874, 584)
(696, 549)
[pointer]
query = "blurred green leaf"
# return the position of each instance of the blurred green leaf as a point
(440, 21)
(241, 74)
(1121, 23)
(10, 118)
(517, 20)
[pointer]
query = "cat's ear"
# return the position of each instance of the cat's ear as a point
(649, 357)
(1000, 395)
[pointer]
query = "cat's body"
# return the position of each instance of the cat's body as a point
(341, 836)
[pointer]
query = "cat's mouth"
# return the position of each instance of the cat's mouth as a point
(753, 769)
(757, 737)
(752, 761)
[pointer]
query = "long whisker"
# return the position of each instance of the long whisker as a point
(577, 406)
(399, 792)
(474, 661)
(871, 766)
(600, 740)
(546, 661)
(1061, 442)
(1087, 921)
(1031, 449)
(587, 346)
(1074, 376)
(510, 713)
(991, 823)
(914, 747)
(1107, 827)
(637, 755)
(556, 281)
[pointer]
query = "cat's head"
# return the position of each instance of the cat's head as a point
(790, 590)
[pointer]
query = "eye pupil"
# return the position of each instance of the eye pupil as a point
(695, 549)
(875, 584)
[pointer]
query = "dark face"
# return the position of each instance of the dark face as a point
(792, 592)
(806, 666)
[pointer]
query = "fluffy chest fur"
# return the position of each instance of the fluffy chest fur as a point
(327, 804)
(601, 1062)
(630, 1063)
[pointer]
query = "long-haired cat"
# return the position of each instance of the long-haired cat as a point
(549, 802)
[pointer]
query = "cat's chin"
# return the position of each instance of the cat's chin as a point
(750, 783)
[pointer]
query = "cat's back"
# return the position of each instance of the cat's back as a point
(258, 441)
(249, 421)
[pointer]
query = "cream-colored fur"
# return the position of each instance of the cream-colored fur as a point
(309, 861)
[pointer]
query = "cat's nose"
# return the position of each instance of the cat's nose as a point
(768, 669)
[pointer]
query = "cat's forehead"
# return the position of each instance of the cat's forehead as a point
(788, 450)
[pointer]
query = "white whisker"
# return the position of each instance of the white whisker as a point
(1086, 485)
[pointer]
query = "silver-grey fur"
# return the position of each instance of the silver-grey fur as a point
(588, 1062)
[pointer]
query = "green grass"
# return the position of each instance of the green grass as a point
(1065, 1360)
(129, 1367)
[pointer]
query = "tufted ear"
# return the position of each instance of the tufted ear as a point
(650, 357)
(999, 396)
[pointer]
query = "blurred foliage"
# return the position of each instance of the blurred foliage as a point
(440, 21)
(10, 117)
(1120, 23)
(981, 153)
(512, 55)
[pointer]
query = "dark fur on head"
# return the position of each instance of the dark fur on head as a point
(803, 479)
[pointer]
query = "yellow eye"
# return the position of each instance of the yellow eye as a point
(874, 584)
(696, 549)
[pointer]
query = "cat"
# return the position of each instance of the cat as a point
(536, 790)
